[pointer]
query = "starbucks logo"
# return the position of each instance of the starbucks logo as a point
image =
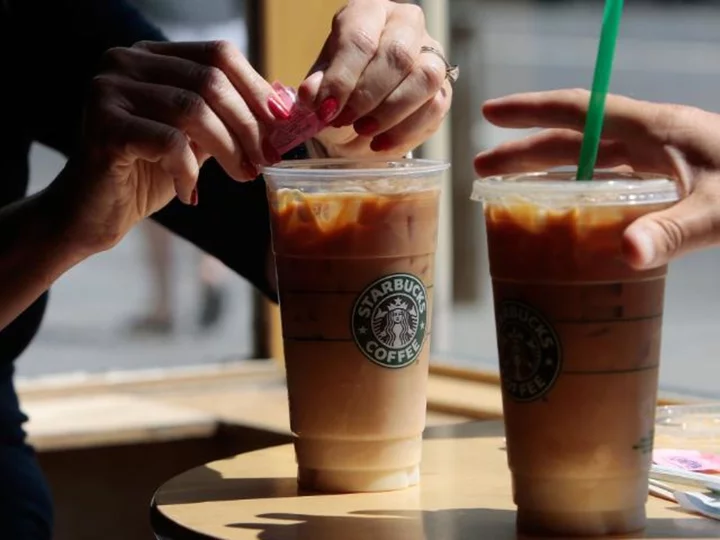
(389, 320)
(529, 350)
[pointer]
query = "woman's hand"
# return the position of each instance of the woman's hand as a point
(381, 94)
(156, 112)
(673, 140)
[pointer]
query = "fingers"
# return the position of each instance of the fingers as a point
(557, 147)
(136, 137)
(351, 45)
(425, 80)
(652, 240)
(225, 57)
(217, 72)
(545, 150)
(397, 57)
(625, 118)
(208, 82)
(693, 223)
(190, 113)
(417, 127)
(669, 139)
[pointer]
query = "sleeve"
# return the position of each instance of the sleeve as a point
(231, 221)
(62, 42)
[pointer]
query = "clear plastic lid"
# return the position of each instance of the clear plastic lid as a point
(355, 175)
(690, 421)
(560, 189)
(693, 427)
(339, 168)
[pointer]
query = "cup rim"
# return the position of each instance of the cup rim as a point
(329, 168)
(560, 187)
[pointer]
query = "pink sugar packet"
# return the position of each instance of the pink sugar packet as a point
(303, 123)
(687, 460)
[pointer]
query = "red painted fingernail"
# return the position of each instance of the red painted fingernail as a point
(381, 143)
(277, 108)
(345, 118)
(194, 197)
(327, 109)
(367, 125)
(270, 153)
(249, 169)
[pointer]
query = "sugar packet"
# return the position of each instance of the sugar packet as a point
(687, 460)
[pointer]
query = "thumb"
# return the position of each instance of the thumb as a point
(310, 87)
(654, 239)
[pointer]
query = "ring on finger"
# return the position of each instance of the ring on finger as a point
(452, 71)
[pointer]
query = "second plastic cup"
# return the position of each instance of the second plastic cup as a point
(578, 335)
(354, 245)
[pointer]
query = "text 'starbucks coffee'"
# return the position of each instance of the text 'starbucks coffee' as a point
(578, 334)
(354, 246)
(529, 350)
(389, 320)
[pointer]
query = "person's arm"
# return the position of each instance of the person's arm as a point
(33, 253)
(71, 37)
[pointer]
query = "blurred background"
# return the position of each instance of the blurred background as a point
(155, 302)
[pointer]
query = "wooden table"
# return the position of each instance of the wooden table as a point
(464, 494)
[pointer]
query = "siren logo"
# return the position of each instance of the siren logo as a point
(529, 350)
(389, 320)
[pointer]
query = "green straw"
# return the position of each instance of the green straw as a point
(600, 86)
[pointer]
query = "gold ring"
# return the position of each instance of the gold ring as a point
(452, 72)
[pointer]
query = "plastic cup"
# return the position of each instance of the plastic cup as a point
(578, 335)
(354, 245)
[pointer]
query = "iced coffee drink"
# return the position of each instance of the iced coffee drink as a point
(354, 246)
(578, 336)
